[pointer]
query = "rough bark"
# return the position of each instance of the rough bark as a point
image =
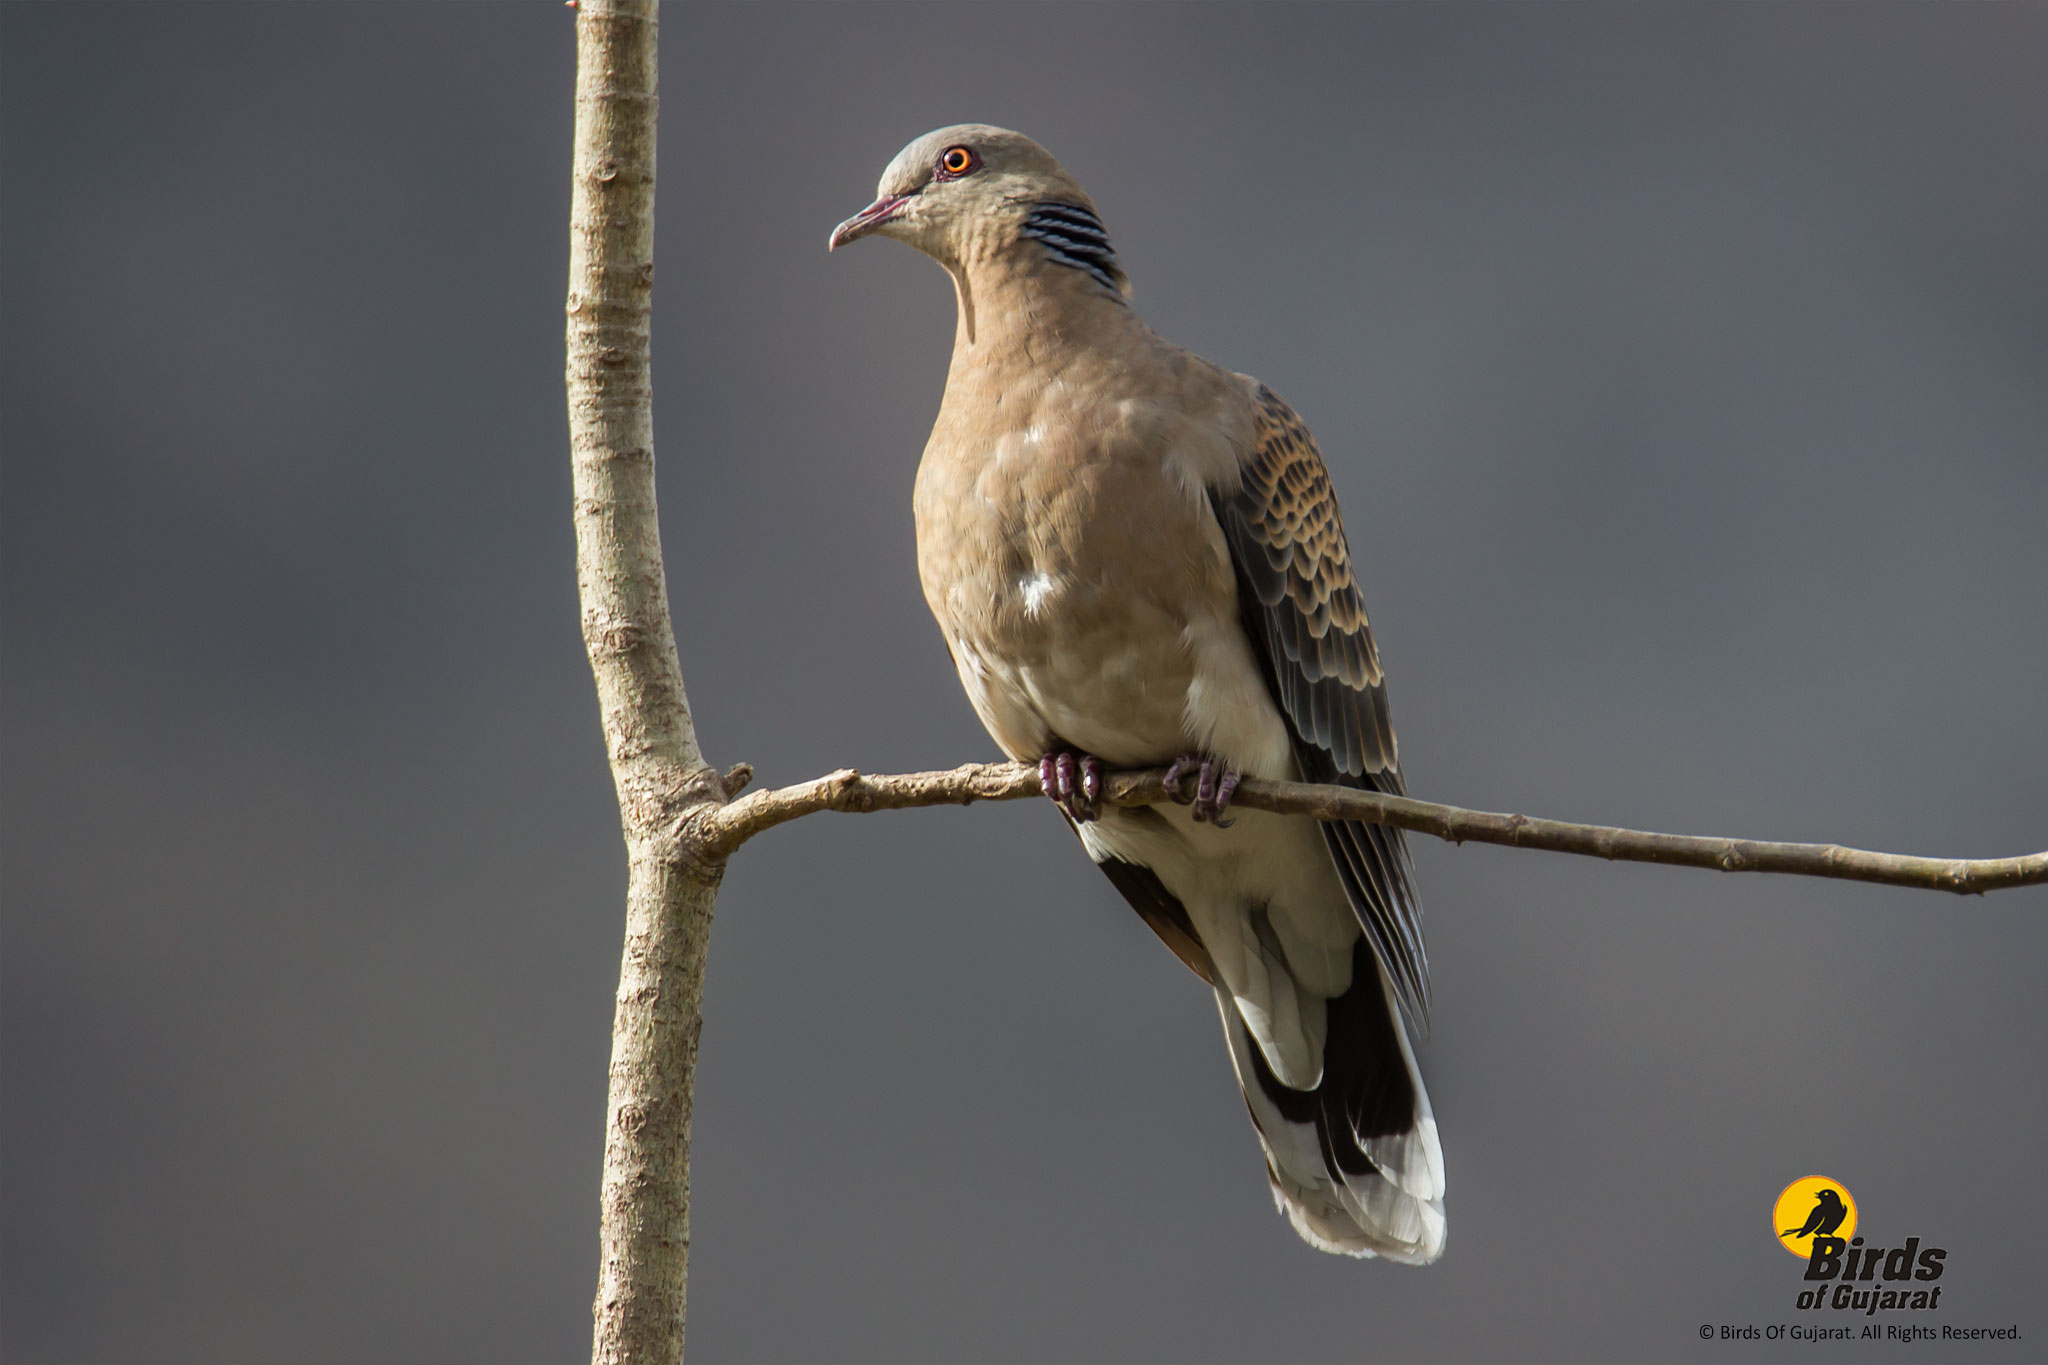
(657, 768)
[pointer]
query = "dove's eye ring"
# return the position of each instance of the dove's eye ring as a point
(955, 162)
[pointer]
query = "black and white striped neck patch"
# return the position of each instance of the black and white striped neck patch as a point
(1073, 236)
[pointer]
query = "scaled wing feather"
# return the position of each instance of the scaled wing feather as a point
(1306, 619)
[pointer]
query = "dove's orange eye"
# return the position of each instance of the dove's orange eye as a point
(955, 162)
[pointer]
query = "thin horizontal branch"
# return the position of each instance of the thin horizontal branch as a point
(727, 827)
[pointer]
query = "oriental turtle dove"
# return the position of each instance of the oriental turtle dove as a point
(1136, 559)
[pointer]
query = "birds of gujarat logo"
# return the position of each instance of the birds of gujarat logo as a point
(1812, 1206)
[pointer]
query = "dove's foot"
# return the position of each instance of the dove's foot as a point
(1074, 782)
(1215, 784)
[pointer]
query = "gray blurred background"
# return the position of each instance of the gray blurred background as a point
(1684, 373)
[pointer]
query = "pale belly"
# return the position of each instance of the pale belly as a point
(1095, 606)
(1036, 677)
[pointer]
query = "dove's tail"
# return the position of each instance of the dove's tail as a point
(1355, 1164)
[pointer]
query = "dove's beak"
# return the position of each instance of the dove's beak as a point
(866, 221)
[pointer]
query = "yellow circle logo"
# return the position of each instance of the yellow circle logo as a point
(1812, 1206)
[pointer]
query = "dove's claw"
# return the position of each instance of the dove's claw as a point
(1074, 784)
(1215, 783)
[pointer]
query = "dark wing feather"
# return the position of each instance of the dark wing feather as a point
(1306, 621)
(1166, 916)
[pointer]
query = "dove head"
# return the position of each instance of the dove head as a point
(973, 194)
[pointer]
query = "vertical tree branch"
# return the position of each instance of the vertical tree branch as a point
(660, 774)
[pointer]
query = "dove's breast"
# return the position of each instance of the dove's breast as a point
(1084, 588)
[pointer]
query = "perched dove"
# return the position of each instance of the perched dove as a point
(1136, 559)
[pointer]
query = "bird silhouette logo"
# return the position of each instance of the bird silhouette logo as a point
(1812, 1206)
(1828, 1213)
